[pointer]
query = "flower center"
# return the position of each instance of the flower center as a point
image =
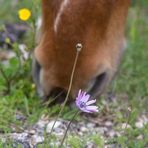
(82, 104)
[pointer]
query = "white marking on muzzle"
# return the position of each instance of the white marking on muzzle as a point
(58, 17)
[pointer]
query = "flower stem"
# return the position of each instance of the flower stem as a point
(7, 81)
(76, 113)
(128, 119)
(69, 89)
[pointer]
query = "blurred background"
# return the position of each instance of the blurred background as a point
(17, 91)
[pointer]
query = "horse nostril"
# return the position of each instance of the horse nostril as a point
(58, 94)
(99, 84)
(36, 67)
(36, 70)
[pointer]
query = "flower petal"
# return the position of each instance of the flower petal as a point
(79, 93)
(24, 14)
(90, 102)
(85, 110)
(92, 108)
(85, 98)
(82, 96)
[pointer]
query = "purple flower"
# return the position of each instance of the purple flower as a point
(83, 103)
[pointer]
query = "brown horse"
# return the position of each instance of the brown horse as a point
(98, 25)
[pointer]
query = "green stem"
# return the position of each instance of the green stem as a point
(128, 120)
(7, 81)
(76, 113)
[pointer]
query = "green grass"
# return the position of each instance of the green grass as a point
(17, 91)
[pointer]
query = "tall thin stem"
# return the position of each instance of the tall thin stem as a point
(76, 113)
(79, 47)
(128, 118)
